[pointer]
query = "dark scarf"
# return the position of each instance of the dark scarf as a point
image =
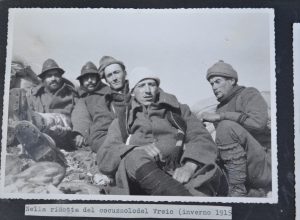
(123, 96)
(235, 91)
(120, 100)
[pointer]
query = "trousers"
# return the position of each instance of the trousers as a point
(235, 143)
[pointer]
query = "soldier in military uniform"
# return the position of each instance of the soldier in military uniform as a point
(42, 115)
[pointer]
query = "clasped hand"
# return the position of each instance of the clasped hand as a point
(79, 141)
(151, 150)
(184, 173)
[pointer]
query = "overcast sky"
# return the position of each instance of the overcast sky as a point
(180, 45)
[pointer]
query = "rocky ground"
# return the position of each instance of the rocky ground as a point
(80, 176)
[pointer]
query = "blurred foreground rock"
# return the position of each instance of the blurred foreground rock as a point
(81, 176)
(40, 177)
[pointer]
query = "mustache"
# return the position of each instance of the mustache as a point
(91, 84)
(54, 81)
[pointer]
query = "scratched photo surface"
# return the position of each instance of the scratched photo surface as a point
(140, 104)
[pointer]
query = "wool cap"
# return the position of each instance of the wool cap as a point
(106, 61)
(221, 69)
(88, 68)
(140, 73)
(50, 64)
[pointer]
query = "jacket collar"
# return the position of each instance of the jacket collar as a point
(235, 91)
(125, 90)
(107, 91)
(163, 99)
(36, 91)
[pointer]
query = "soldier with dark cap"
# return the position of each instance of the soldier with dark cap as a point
(113, 104)
(43, 117)
(242, 133)
(82, 115)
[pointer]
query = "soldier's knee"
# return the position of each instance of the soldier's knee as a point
(228, 132)
(226, 127)
(129, 160)
(134, 160)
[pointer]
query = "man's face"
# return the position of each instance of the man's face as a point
(221, 86)
(52, 80)
(89, 81)
(146, 91)
(115, 76)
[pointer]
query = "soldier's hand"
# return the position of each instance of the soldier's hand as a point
(210, 117)
(79, 141)
(59, 130)
(151, 150)
(184, 173)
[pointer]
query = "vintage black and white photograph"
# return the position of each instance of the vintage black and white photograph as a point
(140, 104)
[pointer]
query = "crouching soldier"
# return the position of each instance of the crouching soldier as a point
(242, 133)
(144, 147)
(42, 115)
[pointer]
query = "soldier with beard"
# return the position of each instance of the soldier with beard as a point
(42, 118)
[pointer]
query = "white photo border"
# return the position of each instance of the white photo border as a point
(272, 199)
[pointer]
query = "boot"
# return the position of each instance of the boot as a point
(235, 163)
(39, 121)
(53, 124)
(18, 110)
(39, 146)
(154, 181)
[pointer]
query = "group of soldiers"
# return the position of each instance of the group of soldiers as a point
(145, 139)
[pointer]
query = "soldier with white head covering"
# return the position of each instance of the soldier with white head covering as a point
(144, 149)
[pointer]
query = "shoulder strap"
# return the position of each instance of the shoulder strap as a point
(122, 118)
(176, 120)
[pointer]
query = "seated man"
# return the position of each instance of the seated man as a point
(42, 116)
(115, 98)
(144, 147)
(242, 133)
(90, 92)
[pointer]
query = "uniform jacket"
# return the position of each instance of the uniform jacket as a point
(62, 101)
(82, 115)
(150, 125)
(103, 106)
(247, 107)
